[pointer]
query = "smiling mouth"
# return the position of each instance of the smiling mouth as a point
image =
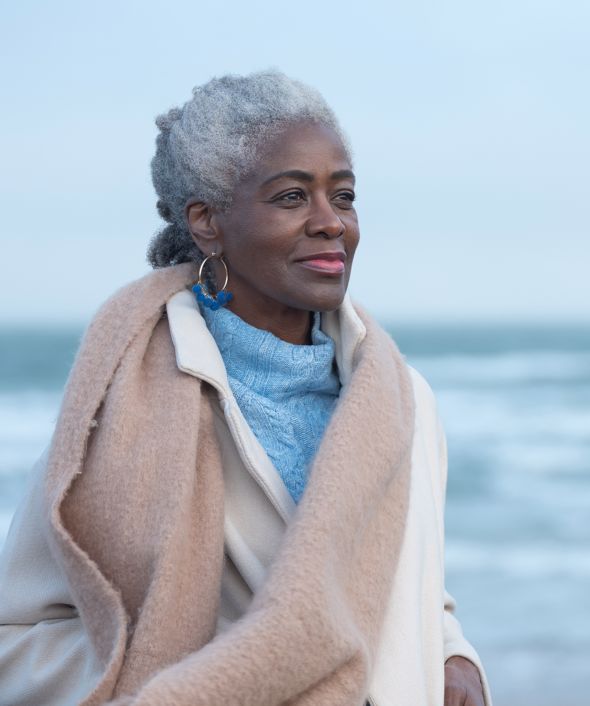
(332, 267)
(329, 262)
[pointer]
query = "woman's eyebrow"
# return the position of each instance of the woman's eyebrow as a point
(306, 176)
(292, 174)
(343, 174)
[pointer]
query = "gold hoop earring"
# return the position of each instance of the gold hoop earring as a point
(202, 293)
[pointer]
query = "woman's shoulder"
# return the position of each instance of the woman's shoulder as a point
(145, 296)
(136, 307)
(423, 393)
(428, 424)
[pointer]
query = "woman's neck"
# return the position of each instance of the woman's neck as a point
(290, 325)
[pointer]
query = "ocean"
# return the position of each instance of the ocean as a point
(515, 404)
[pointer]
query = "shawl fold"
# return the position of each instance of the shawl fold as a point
(134, 493)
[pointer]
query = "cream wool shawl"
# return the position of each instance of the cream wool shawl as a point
(135, 499)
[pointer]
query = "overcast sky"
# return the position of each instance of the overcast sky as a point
(469, 122)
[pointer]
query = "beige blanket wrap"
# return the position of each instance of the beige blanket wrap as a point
(135, 502)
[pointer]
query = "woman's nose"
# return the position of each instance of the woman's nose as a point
(324, 221)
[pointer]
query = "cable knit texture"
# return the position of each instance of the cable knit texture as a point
(286, 391)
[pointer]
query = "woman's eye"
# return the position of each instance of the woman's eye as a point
(291, 197)
(346, 198)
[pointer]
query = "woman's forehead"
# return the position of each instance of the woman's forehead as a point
(303, 147)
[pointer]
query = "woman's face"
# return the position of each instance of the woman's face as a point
(290, 235)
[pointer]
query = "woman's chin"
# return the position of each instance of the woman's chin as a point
(326, 301)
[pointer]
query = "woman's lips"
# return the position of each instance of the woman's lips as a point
(333, 267)
(330, 262)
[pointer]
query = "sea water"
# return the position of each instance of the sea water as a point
(515, 405)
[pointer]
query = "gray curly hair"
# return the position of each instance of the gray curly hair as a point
(204, 148)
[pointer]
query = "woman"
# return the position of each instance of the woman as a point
(242, 501)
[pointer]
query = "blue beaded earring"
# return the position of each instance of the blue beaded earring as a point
(202, 293)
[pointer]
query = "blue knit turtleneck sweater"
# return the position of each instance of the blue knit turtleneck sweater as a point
(285, 391)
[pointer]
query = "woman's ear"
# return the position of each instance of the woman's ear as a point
(203, 228)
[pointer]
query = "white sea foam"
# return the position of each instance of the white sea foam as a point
(477, 414)
(540, 456)
(538, 561)
(27, 421)
(504, 368)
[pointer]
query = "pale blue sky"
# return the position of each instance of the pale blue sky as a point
(469, 122)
